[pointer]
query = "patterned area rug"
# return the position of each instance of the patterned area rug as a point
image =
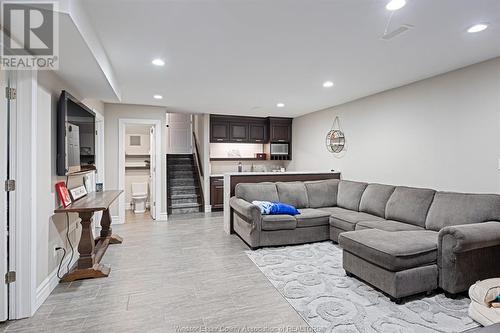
(310, 277)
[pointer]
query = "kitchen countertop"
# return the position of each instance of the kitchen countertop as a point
(260, 173)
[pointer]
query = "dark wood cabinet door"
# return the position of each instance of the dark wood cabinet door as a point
(257, 132)
(239, 132)
(219, 132)
(281, 132)
(217, 193)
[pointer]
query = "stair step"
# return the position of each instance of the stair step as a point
(179, 155)
(180, 167)
(181, 174)
(185, 204)
(182, 182)
(177, 190)
(179, 201)
(176, 211)
(184, 195)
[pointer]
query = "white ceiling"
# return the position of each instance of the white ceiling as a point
(244, 56)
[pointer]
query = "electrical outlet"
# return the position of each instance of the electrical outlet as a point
(499, 164)
(55, 246)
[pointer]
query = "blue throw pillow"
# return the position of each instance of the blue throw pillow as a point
(279, 208)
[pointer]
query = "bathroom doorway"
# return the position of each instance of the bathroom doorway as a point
(138, 176)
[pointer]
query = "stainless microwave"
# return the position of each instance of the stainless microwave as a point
(279, 148)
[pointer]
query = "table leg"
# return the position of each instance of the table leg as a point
(87, 266)
(86, 245)
(106, 230)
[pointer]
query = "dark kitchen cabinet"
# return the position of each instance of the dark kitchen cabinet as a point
(217, 193)
(280, 129)
(239, 131)
(250, 129)
(219, 131)
(257, 132)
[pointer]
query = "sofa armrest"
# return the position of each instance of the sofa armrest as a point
(468, 237)
(247, 210)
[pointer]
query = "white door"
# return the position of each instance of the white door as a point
(5, 108)
(179, 133)
(152, 173)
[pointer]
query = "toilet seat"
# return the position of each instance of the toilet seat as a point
(139, 197)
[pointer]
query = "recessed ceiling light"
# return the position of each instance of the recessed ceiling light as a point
(158, 62)
(157, 96)
(477, 28)
(280, 105)
(395, 5)
(328, 84)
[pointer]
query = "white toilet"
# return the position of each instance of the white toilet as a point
(139, 196)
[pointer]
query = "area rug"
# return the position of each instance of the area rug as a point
(310, 277)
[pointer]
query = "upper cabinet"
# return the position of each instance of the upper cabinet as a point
(250, 129)
(219, 131)
(238, 131)
(280, 129)
(257, 132)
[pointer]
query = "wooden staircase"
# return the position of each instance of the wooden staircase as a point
(183, 188)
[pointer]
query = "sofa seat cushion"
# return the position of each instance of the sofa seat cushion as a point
(387, 225)
(309, 217)
(278, 222)
(346, 219)
(394, 251)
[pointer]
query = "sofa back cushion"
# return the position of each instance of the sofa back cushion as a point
(375, 199)
(460, 208)
(349, 194)
(322, 193)
(256, 191)
(409, 205)
(293, 193)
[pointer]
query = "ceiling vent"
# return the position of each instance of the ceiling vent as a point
(394, 33)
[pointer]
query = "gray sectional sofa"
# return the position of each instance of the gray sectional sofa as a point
(402, 240)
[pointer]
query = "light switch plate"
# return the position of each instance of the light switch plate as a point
(499, 164)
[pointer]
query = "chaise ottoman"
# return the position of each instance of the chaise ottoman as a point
(391, 262)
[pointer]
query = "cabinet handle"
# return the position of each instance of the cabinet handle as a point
(219, 139)
(281, 140)
(239, 140)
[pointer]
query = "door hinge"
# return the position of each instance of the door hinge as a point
(10, 93)
(10, 185)
(10, 277)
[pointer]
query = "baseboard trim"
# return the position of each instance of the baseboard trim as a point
(45, 288)
(163, 217)
(116, 220)
(208, 208)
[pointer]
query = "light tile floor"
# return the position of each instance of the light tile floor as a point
(177, 276)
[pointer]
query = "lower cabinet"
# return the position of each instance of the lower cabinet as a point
(217, 193)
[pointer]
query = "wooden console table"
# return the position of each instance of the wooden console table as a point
(92, 250)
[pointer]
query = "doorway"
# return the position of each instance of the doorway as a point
(139, 177)
(7, 107)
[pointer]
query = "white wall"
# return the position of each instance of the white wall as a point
(51, 228)
(442, 133)
(112, 114)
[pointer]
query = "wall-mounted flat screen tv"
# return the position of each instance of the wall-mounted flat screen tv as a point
(75, 136)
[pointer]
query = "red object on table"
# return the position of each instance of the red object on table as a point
(63, 193)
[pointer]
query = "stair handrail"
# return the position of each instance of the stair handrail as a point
(197, 155)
